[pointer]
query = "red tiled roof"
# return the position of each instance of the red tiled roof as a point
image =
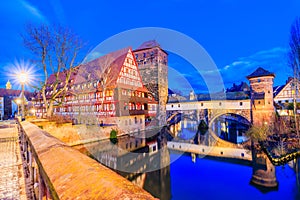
(109, 64)
(62, 76)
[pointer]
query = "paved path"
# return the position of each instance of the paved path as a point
(12, 184)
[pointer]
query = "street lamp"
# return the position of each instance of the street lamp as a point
(18, 101)
(23, 78)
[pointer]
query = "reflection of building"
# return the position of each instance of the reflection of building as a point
(152, 61)
(261, 84)
(8, 105)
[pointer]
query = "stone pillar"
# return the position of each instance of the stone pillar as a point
(263, 171)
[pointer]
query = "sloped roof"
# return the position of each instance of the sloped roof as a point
(14, 93)
(109, 64)
(238, 88)
(148, 45)
(260, 72)
(277, 89)
(62, 76)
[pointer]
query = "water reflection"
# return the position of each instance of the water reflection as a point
(134, 157)
(231, 128)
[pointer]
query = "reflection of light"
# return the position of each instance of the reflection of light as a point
(223, 126)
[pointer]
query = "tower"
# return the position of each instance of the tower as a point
(261, 88)
(153, 66)
(8, 85)
(262, 113)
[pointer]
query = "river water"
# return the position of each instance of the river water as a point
(206, 178)
(213, 179)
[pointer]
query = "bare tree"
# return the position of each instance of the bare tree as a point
(294, 62)
(55, 50)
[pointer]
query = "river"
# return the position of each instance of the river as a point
(206, 178)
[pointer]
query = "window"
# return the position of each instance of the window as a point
(241, 103)
(201, 104)
(220, 103)
(135, 120)
(178, 105)
(154, 148)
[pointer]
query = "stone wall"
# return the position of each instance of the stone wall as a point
(61, 172)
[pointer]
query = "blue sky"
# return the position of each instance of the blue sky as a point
(238, 35)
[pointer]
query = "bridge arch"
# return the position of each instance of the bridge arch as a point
(216, 130)
(214, 114)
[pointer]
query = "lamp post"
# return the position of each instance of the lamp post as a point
(23, 77)
(18, 101)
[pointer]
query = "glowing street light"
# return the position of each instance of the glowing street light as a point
(23, 77)
(23, 73)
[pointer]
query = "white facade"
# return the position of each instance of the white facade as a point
(287, 93)
(214, 104)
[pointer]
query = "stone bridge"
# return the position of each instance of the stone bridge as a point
(209, 110)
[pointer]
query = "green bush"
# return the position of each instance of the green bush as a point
(113, 136)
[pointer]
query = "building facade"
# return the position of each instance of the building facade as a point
(9, 106)
(152, 62)
(106, 91)
(261, 88)
(286, 93)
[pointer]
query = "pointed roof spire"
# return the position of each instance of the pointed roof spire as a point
(259, 72)
(8, 85)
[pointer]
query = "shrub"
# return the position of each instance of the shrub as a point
(113, 136)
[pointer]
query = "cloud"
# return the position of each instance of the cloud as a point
(33, 10)
(274, 60)
(18, 12)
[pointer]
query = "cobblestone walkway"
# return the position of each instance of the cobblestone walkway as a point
(12, 185)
